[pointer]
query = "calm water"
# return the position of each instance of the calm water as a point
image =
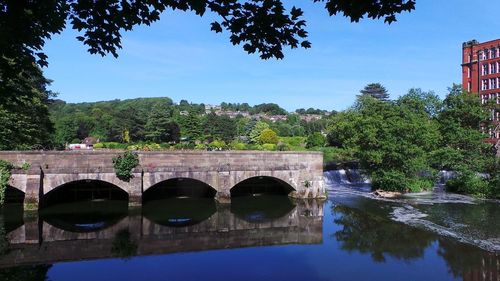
(349, 237)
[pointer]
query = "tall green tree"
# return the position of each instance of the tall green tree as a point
(24, 116)
(375, 90)
(391, 140)
(160, 127)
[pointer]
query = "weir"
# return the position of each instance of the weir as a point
(300, 172)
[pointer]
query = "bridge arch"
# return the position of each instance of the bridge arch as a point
(54, 181)
(84, 190)
(14, 194)
(175, 187)
(263, 184)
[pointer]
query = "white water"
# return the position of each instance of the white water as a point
(350, 184)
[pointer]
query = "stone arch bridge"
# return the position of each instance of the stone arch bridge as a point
(221, 170)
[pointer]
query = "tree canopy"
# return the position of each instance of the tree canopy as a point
(375, 90)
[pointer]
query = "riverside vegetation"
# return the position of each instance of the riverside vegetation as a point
(400, 144)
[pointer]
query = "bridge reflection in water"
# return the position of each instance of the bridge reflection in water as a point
(96, 230)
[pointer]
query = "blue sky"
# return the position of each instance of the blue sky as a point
(181, 58)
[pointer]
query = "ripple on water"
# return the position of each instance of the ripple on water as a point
(460, 217)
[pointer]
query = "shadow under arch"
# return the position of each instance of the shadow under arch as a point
(14, 195)
(85, 216)
(179, 188)
(179, 202)
(12, 210)
(83, 190)
(260, 185)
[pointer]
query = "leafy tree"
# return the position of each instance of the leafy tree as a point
(160, 127)
(191, 126)
(391, 140)
(462, 148)
(220, 127)
(24, 116)
(375, 90)
(315, 140)
(257, 130)
(268, 136)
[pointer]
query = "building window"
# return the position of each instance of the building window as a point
(492, 53)
(493, 68)
(485, 69)
(482, 55)
(485, 85)
(468, 86)
(468, 72)
(493, 83)
(484, 99)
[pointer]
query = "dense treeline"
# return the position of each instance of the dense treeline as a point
(402, 144)
(159, 120)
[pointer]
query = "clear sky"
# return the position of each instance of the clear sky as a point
(181, 58)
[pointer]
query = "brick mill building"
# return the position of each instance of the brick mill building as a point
(481, 75)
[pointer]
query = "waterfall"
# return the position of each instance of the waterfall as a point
(444, 176)
(345, 177)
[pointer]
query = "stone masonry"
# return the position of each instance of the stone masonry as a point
(222, 170)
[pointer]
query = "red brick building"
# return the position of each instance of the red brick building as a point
(481, 75)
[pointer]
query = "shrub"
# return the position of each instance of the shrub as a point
(238, 146)
(315, 140)
(124, 164)
(389, 180)
(200, 146)
(115, 145)
(217, 145)
(268, 136)
(283, 146)
(469, 183)
(5, 173)
(269, 146)
(98, 145)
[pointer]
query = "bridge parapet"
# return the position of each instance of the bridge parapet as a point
(222, 170)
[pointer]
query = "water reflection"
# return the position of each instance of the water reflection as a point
(381, 238)
(93, 230)
(179, 212)
(85, 216)
(368, 233)
(261, 208)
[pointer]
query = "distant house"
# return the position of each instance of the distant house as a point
(184, 113)
(87, 143)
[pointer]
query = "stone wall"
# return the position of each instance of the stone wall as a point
(222, 170)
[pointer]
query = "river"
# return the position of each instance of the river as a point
(351, 236)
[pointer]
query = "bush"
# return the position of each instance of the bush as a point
(283, 146)
(268, 136)
(115, 145)
(200, 146)
(469, 183)
(98, 145)
(389, 180)
(124, 164)
(5, 172)
(315, 140)
(217, 145)
(269, 146)
(238, 146)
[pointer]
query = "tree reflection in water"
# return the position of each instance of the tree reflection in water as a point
(381, 237)
(377, 235)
